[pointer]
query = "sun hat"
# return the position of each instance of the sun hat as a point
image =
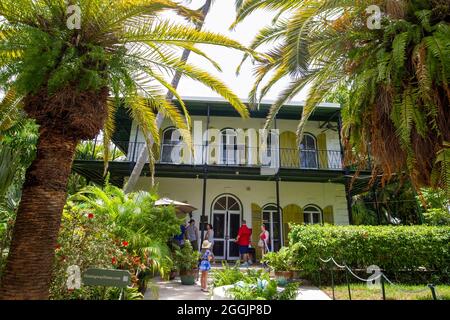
(206, 244)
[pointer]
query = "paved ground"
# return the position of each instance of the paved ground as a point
(174, 290)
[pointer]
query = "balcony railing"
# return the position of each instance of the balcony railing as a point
(240, 156)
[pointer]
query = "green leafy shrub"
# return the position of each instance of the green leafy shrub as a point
(257, 285)
(284, 259)
(398, 250)
(185, 258)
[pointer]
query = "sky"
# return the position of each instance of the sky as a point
(221, 16)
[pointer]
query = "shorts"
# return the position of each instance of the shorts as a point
(243, 249)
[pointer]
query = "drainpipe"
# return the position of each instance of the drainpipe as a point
(205, 176)
(277, 186)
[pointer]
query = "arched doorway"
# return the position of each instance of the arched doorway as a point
(272, 220)
(226, 216)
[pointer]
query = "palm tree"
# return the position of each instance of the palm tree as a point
(71, 81)
(144, 155)
(397, 76)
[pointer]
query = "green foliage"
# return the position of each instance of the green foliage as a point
(436, 206)
(395, 249)
(437, 217)
(251, 284)
(186, 258)
(126, 47)
(284, 259)
(397, 77)
(134, 218)
(85, 240)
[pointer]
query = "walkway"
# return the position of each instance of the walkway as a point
(174, 290)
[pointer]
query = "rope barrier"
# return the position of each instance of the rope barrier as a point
(380, 276)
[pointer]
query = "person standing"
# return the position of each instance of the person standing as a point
(263, 242)
(209, 235)
(192, 234)
(243, 240)
(205, 264)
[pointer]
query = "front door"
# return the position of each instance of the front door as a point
(272, 221)
(226, 219)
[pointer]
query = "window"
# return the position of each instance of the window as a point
(312, 215)
(228, 146)
(168, 145)
(308, 152)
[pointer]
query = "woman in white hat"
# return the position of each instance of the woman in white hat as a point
(205, 264)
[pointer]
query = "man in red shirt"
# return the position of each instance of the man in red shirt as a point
(243, 240)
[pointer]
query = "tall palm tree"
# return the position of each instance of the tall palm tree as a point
(397, 76)
(71, 80)
(143, 157)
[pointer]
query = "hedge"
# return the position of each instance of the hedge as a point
(398, 250)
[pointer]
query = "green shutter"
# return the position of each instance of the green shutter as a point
(322, 150)
(291, 214)
(328, 216)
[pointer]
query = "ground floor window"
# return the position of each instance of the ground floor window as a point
(312, 215)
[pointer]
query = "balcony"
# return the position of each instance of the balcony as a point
(238, 156)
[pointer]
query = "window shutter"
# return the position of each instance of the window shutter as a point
(256, 227)
(291, 214)
(322, 150)
(328, 216)
(289, 150)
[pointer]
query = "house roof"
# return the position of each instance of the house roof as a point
(292, 110)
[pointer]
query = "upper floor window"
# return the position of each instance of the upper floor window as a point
(312, 215)
(168, 144)
(228, 146)
(308, 152)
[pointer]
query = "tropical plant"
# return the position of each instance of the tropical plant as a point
(186, 258)
(397, 76)
(279, 261)
(227, 275)
(86, 240)
(143, 157)
(436, 206)
(134, 219)
(261, 287)
(71, 79)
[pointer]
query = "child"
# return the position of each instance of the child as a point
(205, 264)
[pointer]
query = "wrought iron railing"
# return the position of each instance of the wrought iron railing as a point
(236, 156)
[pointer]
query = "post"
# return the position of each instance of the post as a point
(383, 289)
(374, 190)
(332, 282)
(433, 291)
(205, 177)
(348, 285)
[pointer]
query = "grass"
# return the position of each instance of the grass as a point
(397, 292)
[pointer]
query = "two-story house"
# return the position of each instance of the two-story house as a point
(228, 183)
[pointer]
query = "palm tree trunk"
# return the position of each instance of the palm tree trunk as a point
(29, 265)
(143, 156)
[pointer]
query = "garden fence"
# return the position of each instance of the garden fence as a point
(381, 276)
